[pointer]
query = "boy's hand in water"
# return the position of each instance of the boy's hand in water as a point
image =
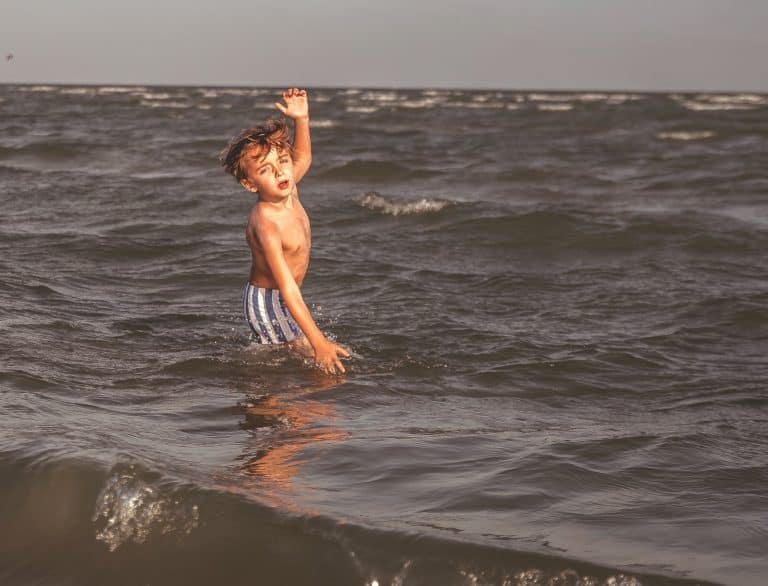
(327, 357)
(296, 104)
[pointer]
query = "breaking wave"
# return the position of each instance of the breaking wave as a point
(686, 136)
(376, 202)
(132, 506)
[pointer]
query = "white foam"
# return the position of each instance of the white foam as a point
(264, 106)
(78, 91)
(593, 97)
(418, 104)
(362, 109)
(322, 123)
(38, 88)
(513, 106)
(170, 104)
(686, 136)
(154, 96)
(224, 91)
(380, 96)
(112, 89)
(552, 97)
(714, 107)
(752, 99)
(555, 107)
(130, 507)
(485, 105)
(374, 201)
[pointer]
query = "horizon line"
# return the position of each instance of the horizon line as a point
(389, 87)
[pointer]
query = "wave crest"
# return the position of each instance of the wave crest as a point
(376, 202)
(132, 506)
(686, 136)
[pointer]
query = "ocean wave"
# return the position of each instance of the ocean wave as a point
(362, 109)
(153, 96)
(475, 105)
(391, 207)
(435, 93)
(715, 107)
(587, 97)
(555, 107)
(38, 88)
(380, 96)
(371, 170)
(753, 99)
(322, 123)
(78, 91)
(108, 89)
(720, 102)
(139, 514)
(164, 104)
(419, 104)
(45, 151)
(686, 136)
(263, 106)
(551, 97)
(133, 506)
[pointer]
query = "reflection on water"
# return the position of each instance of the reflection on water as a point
(283, 423)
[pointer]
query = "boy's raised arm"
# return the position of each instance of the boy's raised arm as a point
(296, 107)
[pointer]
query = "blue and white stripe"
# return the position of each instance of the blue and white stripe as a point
(268, 316)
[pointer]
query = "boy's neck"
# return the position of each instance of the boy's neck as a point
(277, 204)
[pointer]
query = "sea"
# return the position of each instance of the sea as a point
(556, 305)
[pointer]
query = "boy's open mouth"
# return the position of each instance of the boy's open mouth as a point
(283, 184)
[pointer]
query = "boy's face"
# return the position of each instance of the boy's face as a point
(270, 175)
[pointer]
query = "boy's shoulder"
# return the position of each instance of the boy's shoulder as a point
(264, 217)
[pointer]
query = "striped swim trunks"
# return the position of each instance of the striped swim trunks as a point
(268, 316)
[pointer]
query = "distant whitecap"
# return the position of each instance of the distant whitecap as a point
(362, 109)
(686, 136)
(322, 123)
(391, 207)
(555, 107)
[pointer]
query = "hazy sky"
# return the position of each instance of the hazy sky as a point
(541, 44)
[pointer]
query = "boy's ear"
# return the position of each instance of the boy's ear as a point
(248, 186)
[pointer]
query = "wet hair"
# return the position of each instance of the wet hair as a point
(271, 134)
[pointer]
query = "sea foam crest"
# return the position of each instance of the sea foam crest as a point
(374, 201)
(686, 136)
(719, 102)
(132, 506)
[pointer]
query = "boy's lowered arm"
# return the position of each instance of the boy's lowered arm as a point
(296, 107)
(327, 354)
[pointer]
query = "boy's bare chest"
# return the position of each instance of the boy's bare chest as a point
(295, 231)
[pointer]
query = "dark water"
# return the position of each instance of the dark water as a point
(559, 310)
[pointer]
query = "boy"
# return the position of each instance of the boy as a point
(263, 161)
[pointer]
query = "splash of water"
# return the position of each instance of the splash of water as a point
(132, 506)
